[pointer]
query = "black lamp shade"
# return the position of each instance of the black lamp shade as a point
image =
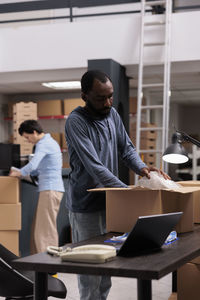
(175, 154)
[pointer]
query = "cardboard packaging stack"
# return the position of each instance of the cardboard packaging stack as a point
(23, 111)
(10, 213)
(147, 142)
(188, 276)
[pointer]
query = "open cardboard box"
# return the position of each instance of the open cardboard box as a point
(194, 183)
(125, 205)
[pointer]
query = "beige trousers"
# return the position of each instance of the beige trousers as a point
(44, 226)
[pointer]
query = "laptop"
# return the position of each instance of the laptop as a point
(148, 234)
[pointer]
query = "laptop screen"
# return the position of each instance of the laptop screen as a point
(149, 234)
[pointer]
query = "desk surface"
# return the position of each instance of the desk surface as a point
(145, 267)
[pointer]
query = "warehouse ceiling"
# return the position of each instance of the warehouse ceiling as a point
(185, 81)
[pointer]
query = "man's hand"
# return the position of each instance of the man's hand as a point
(146, 171)
(14, 173)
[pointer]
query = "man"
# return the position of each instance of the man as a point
(96, 136)
(47, 165)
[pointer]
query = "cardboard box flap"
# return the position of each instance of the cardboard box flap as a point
(190, 183)
(182, 190)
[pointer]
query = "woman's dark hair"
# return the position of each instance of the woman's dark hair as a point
(29, 126)
(89, 77)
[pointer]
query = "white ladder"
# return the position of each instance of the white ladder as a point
(165, 23)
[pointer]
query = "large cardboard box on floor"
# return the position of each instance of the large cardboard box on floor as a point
(10, 240)
(125, 205)
(188, 279)
(194, 183)
(9, 190)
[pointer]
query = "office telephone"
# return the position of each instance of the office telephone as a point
(91, 253)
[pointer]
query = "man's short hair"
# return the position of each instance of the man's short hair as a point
(88, 78)
(29, 126)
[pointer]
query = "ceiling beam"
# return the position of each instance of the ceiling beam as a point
(52, 4)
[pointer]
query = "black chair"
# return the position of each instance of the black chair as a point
(17, 284)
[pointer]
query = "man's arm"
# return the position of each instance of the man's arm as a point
(78, 137)
(130, 156)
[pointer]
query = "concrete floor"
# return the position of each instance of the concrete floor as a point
(122, 288)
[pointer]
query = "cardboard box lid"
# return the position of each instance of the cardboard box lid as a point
(190, 183)
(132, 188)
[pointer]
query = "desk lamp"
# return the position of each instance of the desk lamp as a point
(176, 153)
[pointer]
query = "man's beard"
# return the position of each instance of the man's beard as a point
(103, 113)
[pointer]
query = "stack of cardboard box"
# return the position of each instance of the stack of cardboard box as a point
(23, 111)
(188, 276)
(147, 142)
(10, 213)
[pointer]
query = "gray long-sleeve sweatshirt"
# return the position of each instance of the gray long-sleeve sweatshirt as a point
(94, 146)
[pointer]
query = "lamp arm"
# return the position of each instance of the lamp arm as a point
(188, 138)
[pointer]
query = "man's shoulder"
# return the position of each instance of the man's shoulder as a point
(77, 116)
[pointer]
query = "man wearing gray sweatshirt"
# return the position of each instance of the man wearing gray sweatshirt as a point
(96, 137)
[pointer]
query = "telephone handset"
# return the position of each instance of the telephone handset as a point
(91, 253)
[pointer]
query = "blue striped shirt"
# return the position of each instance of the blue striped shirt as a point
(46, 164)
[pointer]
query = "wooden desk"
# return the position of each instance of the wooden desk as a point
(144, 268)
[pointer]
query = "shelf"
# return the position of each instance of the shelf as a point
(44, 117)
(52, 117)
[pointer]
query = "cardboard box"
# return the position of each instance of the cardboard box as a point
(50, 108)
(10, 240)
(9, 190)
(194, 183)
(196, 260)
(63, 141)
(173, 296)
(190, 183)
(125, 205)
(10, 110)
(71, 104)
(24, 107)
(149, 134)
(133, 104)
(188, 279)
(10, 216)
(57, 137)
(26, 149)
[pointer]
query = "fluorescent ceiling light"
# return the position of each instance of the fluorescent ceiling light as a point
(63, 85)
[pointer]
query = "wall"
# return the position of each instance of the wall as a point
(189, 119)
(70, 45)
